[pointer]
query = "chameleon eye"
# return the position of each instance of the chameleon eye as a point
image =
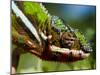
(72, 39)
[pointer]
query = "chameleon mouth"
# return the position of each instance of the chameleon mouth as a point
(69, 44)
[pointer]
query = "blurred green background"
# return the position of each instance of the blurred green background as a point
(82, 17)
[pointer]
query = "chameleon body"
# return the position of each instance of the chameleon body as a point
(41, 19)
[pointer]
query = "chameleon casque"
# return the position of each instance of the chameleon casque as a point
(59, 42)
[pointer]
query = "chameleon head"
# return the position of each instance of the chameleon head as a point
(67, 39)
